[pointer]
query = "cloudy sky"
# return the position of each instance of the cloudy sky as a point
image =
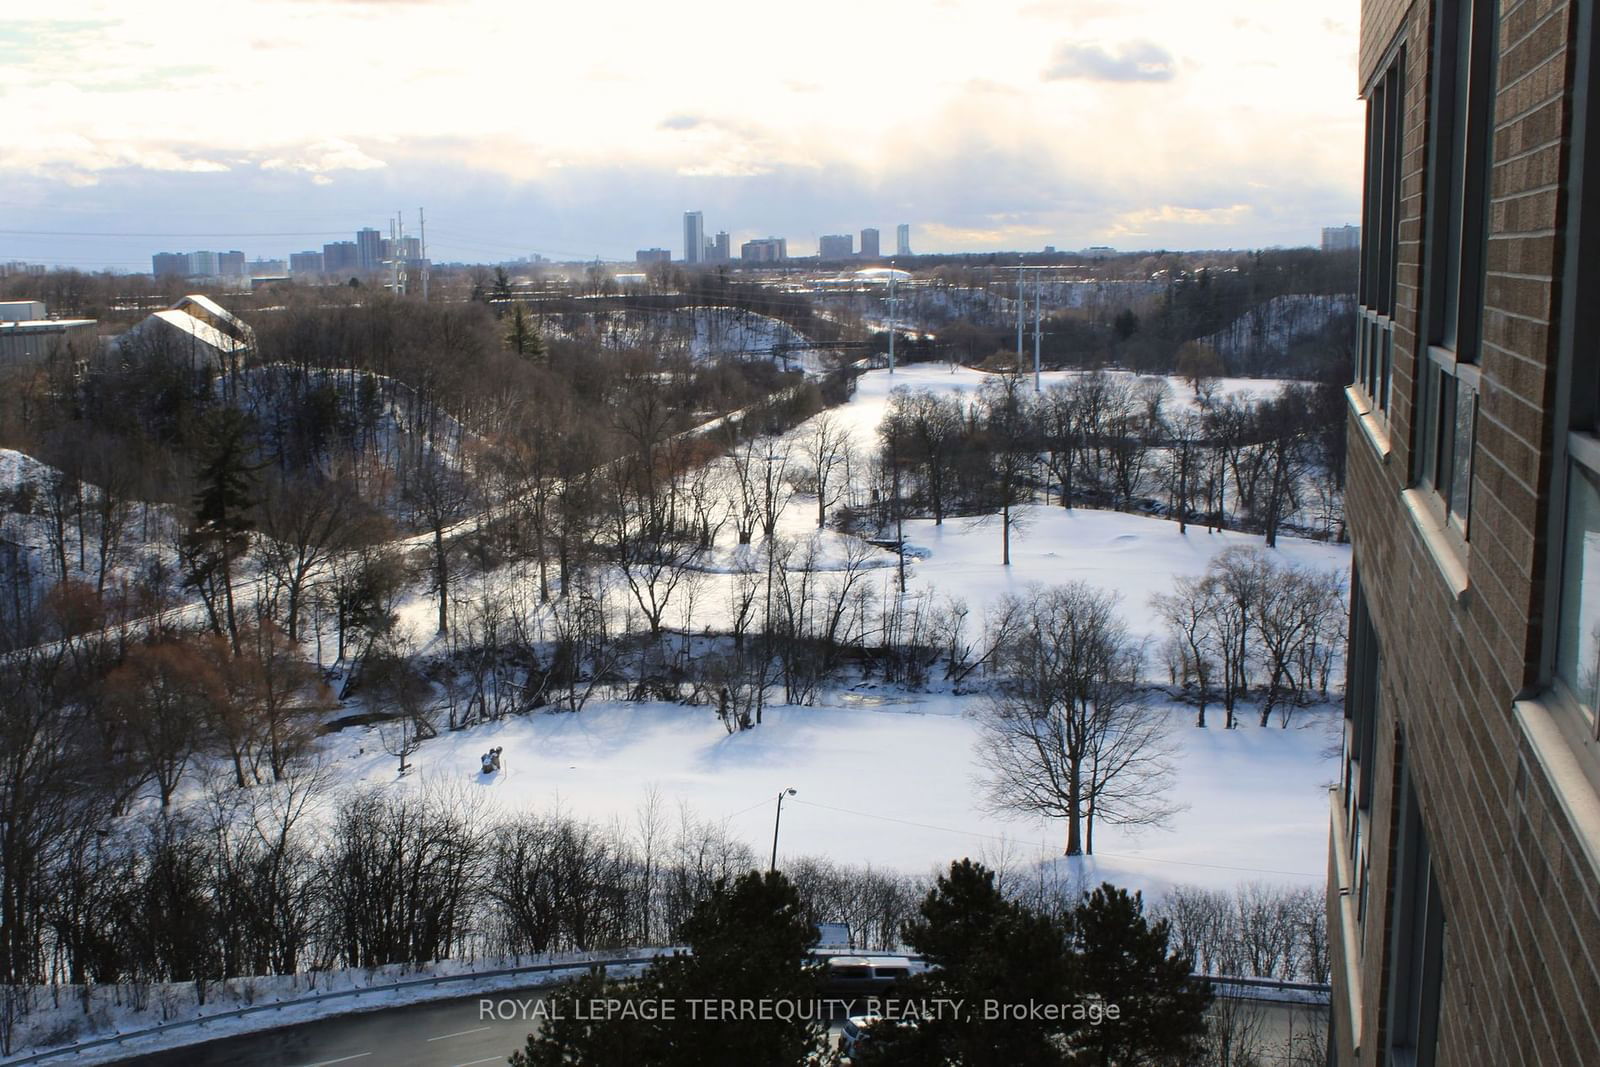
(584, 129)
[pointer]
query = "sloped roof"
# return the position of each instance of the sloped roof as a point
(199, 329)
(215, 314)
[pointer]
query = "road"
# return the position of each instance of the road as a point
(446, 1033)
(460, 1033)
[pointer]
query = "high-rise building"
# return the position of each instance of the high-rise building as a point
(230, 264)
(401, 248)
(646, 256)
(266, 268)
(902, 239)
(836, 246)
(305, 262)
(721, 248)
(169, 265)
(369, 249)
(764, 250)
(1341, 238)
(202, 264)
(340, 257)
(869, 243)
(694, 237)
(1464, 862)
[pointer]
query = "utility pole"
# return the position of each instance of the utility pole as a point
(1022, 305)
(891, 316)
(1038, 285)
(775, 824)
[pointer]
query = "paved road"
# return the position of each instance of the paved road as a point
(446, 1033)
(456, 1033)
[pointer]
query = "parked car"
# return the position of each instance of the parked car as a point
(866, 975)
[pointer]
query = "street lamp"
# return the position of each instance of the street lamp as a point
(775, 824)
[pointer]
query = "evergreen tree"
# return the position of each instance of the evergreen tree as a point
(219, 530)
(988, 954)
(523, 334)
(750, 942)
(1123, 959)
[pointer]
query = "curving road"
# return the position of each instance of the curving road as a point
(444, 1033)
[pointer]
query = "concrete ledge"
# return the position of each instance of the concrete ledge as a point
(1372, 427)
(1346, 992)
(1439, 543)
(1571, 783)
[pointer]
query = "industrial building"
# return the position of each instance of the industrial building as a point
(28, 336)
(196, 328)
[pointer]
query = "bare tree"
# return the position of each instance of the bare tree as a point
(1008, 442)
(1066, 734)
(1190, 612)
(439, 492)
(305, 522)
(825, 449)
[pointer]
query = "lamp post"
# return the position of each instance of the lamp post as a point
(775, 824)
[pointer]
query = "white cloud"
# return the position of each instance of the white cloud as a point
(324, 156)
(522, 94)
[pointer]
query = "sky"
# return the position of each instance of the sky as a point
(581, 130)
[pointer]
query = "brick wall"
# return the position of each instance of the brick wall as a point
(1521, 903)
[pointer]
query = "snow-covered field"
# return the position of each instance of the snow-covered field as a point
(889, 777)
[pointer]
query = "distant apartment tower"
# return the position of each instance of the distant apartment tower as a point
(202, 264)
(694, 237)
(266, 268)
(869, 243)
(339, 257)
(230, 264)
(1341, 238)
(764, 250)
(402, 248)
(648, 256)
(369, 249)
(721, 248)
(169, 265)
(305, 262)
(902, 239)
(836, 246)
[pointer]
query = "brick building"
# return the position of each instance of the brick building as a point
(1464, 888)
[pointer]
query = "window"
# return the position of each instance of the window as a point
(1457, 228)
(1417, 941)
(1360, 734)
(1380, 234)
(1575, 666)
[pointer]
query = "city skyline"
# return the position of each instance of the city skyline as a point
(1144, 124)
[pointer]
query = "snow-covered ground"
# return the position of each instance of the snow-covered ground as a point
(889, 777)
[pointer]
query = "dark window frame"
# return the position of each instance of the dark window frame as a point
(1462, 90)
(1383, 171)
(1576, 452)
(1418, 929)
(1361, 711)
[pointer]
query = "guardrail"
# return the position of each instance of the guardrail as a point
(640, 956)
(1311, 992)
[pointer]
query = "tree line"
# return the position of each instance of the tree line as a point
(1116, 441)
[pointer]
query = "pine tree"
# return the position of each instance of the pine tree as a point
(988, 954)
(219, 530)
(1123, 959)
(750, 941)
